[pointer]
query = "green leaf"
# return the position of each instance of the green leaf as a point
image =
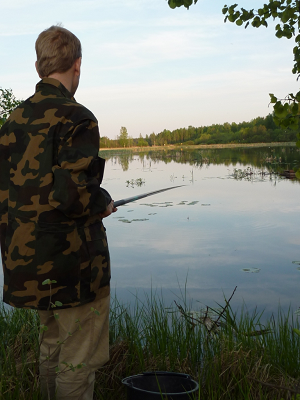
(57, 370)
(58, 303)
(285, 16)
(294, 109)
(281, 111)
(232, 7)
(95, 311)
(46, 282)
(43, 328)
(224, 10)
(172, 4)
(239, 22)
(56, 316)
(296, 331)
(187, 3)
(273, 98)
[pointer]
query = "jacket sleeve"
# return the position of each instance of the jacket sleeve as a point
(78, 173)
(5, 140)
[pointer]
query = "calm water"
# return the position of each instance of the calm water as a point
(202, 236)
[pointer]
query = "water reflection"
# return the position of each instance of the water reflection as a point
(271, 158)
(211, 234)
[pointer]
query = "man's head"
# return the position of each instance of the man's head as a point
(57, 49)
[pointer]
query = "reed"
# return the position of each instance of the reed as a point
(232, 357)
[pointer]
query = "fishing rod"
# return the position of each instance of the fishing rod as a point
(141, 196)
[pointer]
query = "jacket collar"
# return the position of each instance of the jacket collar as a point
(54, 82)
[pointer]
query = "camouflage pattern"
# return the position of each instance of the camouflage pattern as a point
(50, 201)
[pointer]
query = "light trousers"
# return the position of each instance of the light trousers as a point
(85, 339)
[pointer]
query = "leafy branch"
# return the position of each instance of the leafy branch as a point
(7, 103)
(287, 12)
(178, 3)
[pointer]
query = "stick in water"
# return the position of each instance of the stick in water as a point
(141, 196)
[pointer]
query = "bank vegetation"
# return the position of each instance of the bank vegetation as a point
(232, 357)
(258, 130)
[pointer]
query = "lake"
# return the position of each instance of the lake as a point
(235, 222)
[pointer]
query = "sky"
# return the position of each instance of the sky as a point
(148, 67)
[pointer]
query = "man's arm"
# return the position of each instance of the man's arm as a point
(78, 173)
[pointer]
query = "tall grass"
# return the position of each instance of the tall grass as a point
(19, 350)
(241, 359)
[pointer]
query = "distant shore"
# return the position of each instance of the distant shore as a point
(202, 146)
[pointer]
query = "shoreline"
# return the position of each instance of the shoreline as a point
(201, 146)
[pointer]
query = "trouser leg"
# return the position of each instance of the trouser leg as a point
(49, 355)
(88, 345)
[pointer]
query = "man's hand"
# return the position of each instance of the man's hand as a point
(110, 209)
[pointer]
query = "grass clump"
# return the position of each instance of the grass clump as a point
(231, 357)
(19, 349)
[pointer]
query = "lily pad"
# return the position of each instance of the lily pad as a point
(296, 262)
(127, 221)
(205, 204)
(192, 203)
(152, 214)
(251, 270)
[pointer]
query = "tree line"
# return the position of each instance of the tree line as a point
(258, 130)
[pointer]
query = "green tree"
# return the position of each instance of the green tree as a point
(123, 137)
(7, 103)
(152, 139)
(142, 142)
(130, 141)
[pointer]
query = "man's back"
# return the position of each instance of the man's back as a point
(49, 198)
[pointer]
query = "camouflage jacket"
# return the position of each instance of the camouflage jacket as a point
(50, 200)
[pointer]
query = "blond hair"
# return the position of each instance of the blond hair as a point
(56, 50)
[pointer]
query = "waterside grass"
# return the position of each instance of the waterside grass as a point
(233, 358)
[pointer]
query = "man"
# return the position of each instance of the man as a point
(53, 244)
